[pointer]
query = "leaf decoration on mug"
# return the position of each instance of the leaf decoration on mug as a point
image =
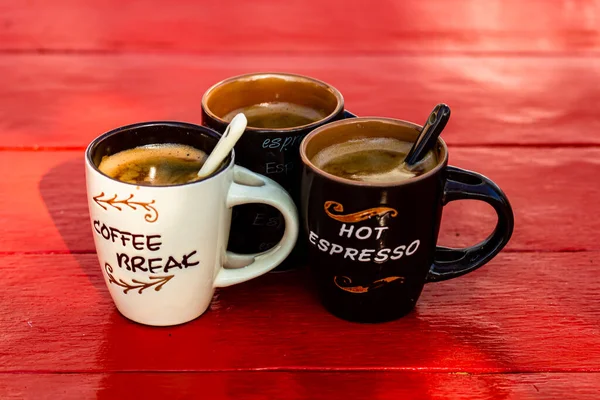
(156, 281)
(331, 206)
(343, 282)
(150, 216)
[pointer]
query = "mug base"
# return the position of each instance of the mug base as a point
(369, 316)
(161, 323)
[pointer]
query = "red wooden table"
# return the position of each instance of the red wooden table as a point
(522, 79)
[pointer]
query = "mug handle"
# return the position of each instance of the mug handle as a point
(250, 187)
(460, 185)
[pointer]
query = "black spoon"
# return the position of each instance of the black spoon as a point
(428, 137)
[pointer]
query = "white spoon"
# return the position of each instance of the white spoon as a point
(232, 133)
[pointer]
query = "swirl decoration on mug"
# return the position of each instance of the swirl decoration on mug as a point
(344, 282)
(150, 216)
(157, 281)
(357, 216)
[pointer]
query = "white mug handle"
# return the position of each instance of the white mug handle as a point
(255, 188)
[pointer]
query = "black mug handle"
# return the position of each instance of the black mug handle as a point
(460, 185)
(348, 114)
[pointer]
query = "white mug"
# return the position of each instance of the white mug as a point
(162, 249)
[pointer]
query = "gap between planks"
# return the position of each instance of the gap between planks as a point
(457, 145)
(316, 53)
(441, 371)
(65, 252)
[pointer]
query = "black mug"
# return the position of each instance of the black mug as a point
(270, 151)
(372, 246)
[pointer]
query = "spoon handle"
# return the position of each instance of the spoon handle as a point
(431, 130)
(232, 133)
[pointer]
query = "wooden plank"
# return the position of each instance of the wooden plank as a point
(538, 26)
(301, 385)
(524, 312)
(66, 101)
(551, 190)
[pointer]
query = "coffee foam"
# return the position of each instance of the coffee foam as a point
(400, 173)
(352, 146)
(110, 165)
(261, 109)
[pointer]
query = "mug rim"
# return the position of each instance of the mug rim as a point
(349, 121)
(338, 95)
(91, 147)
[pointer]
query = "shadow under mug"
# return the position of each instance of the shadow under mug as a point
(162, 249)
(372, 246)
(273, 152)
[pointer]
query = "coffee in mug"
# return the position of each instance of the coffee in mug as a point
(155, 165)
(160, 233)
(372, 159)
(372, 227)
(278, 115)
(281, 109)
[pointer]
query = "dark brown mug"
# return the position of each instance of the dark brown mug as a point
(372, 246)
(273, 152)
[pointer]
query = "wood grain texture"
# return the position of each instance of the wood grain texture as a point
(43, 207)
(66, 101)
(302, 385)
(297, 26)
(524, 312)
(520, 78)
